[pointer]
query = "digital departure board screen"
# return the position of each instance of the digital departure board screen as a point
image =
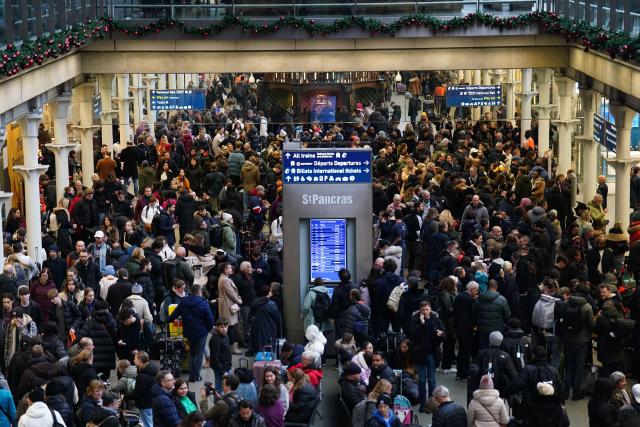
(474, 96)
(328, 248)
(177, 99)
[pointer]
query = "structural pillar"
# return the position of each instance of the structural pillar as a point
(590, 147)
(4, 198)
(61, 146)
(565, 123)
(525, 94)
(105, 87)
(509, 87)
(543, 108)
(162, 81)
(497, 77)
(180, 81)
(138, 92)
(486, 81)
(475, 111)
(86, 128)
(623, 116)
(30, 172)
(123, 108)
(172, 81)
(150, 83)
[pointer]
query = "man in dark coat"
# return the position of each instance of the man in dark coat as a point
(244, 282)
(144, 382)
(380, 295)
(85, 214)
(197, 320)
(186, 206)
(119, 291)
(493, 313)
(101, 328)
(449, 413)
(165, 413)
(266, 321)
(153, 255)
(39, 371)
(88, 271)
(8, 284)
(380, 370)
(129, 161)
(220, 352)
(498, 361)
(352, 389)
(464, 315)
(341, 301)
(599, 260)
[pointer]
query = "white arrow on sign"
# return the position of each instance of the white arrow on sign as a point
(287, 155)
(366, 170)
(288, 178)
(366, 162)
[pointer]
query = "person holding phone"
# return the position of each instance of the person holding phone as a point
(427, 334)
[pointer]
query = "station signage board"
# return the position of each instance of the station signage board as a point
(177, 99)
(474, 96)
(327, 167)
(604, 133)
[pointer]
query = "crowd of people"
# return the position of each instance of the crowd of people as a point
(483, 269)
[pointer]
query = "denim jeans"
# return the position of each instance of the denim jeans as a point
(146, 416)
(575, 356)
(426, 376)
(217, 378)
(196, 353)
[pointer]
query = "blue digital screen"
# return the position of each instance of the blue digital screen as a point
(178, 99)
(328, 248)
(327, 167)
(322, 108)
(604, 132)
(474, 96)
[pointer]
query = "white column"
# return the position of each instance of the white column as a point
(486, 81)
(590, 147)
(85, 93)
(30, 172)
(173, 84)
(61, 146)
(162, 81)
(105, 88)
(475, 111)
(624, 121)
(509, 87)
(543, 108)
(180, 81)
(150, 83)
(4, 198)
(123, 108)
(525, 94)
(138, 92)
(497, 78)
(460, 76)
(566, 122)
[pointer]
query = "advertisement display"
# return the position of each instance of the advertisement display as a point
(322, 108)
(328, 248)
(177, 99)
(474, 96)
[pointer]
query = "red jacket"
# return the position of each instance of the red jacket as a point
(315, 375)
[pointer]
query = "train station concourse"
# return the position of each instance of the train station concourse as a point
(322, 213)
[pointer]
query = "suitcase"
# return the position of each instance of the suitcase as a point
(402, 405)
(173, 351)
(259, 366)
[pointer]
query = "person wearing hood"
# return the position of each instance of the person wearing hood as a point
(516, 344)
(316, 339)
(38, 413)
(383, 415)
(197, 321)
(266, 322)
(39, 371)
(493, 312)
(19, 331)
(127, 375)
(487, 408)
(317, 288)
(358, 315)
(578, 323)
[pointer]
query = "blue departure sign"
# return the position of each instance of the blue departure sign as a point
(178, 99)
(474, 96)
(328, 248)
(604, 133)
(327, 167)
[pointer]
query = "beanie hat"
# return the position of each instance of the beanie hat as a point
(136, 288)
(486, 383)
(384, 398)
(495, 338)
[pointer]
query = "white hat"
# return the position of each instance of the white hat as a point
(636, 392)
(99, 234)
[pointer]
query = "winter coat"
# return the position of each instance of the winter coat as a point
(377, 420)
(302, 403)
(197, 318)
(69, 314)
(59, 404)
(130, 335)
(425, 338)
(449, 414)
(359, 360)
(603, 413)
(102, 329)
(584, 334)
(351, 392)
(227, 296)
(39, 371)
(265, 324)
(82, 374)
(629, 415)
(487, 409)
(339, 303)
(39, 415)
(307, 308)
(250, 176)
(116, 295)
(39, 295)
(145, 380)
(358, 313)
(165, 413)
(127, 382)
(236, 162)
(464, 314)
(86, 407)
(502, 366)
(409, 304)
(316, 340)
(8, 285)
(477, 213)
(141, 306)
(493, 312)
(383, 372)
(220, 353)
(186, 206)
(53, 347)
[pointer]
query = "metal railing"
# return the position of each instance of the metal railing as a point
(615, 15)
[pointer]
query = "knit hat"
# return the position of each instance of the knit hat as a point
(351, 369)
(546, 389)
(486, 383)
(136, 289)
(525, 202)
(384, 398)
(495, 338)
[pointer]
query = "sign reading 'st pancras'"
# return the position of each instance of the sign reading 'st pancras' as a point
(327, 167)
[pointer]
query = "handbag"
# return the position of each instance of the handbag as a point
(589, 381)
(234, 308)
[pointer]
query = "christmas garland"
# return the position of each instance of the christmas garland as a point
(34, 52)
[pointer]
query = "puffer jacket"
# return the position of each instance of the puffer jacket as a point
(302, 403)
(316, 340)
(475, 212)
(38, 372)
(101, 328)
(144, 382)
(82, 374)
(583, 335)
(196, 317)
(250, 176)
(165, 413)
(358, 313)
(58, 403)
(236, 161)
(71, 315)
(127, 382)
(493, 312)
(487, 409)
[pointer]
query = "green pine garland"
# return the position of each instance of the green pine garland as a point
(34, 52)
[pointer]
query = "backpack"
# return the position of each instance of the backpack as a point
(216, 238)
(21, 274)
(234, 409)
(155, 223)
(56, 423)
(321, 307)
(543, 314)
(572, 319)
(394, 297)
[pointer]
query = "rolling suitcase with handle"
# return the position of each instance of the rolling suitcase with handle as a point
(263, 359)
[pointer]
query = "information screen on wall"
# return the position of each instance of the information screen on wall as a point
(328, 248)
(474, 96)
(177, 99)
(604, 132)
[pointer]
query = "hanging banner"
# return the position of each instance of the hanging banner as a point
(15, 157)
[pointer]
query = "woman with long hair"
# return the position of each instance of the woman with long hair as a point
(184, 399)
(81, 369)
(270, 406)
(272, 376)
(110, 231)
(14, 221)
(87, 304)
(38, 290)
(62, 218)
(71, 292)
(302, 397)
